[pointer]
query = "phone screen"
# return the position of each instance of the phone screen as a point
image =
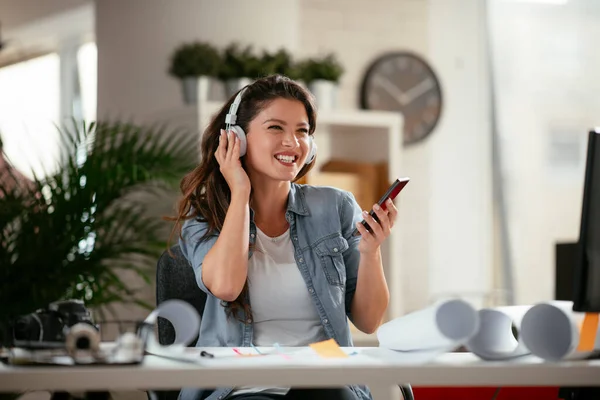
(391, 193)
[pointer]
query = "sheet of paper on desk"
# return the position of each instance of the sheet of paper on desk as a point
(405, 357)
(553, 331)
(495, 339)
(282, 356)
(186, 323)
(440, 327)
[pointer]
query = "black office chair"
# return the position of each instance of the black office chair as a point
(175, 279)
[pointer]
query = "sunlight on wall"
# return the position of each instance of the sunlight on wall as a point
(87, 60)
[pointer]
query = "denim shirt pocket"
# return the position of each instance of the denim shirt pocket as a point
(330, 250)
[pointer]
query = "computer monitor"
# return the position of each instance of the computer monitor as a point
(586, 289)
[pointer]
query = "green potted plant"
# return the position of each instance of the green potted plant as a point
(69, 235)
(240, 67)
(280, 62)
(322, 75)
(195, 65)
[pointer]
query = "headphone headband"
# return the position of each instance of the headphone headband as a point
(231, 117)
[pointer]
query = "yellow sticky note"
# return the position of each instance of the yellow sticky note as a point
(328, 349)
(589, 329)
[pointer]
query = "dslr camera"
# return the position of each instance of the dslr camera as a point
(66, 328)
(63, 324)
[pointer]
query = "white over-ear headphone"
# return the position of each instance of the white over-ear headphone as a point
(230, 125)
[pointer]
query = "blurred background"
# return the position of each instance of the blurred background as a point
(486, 105)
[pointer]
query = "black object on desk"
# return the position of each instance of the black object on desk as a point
(586, 296)
(566, 258)
(586, 260)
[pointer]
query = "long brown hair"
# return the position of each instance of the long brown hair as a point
(206, 195)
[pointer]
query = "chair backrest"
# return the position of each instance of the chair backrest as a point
(175, 279)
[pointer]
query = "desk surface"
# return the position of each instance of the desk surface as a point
(372, 366)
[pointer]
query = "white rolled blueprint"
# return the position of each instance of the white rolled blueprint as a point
(186, 323)
(442, 327)
(552, 332)
(499, 337)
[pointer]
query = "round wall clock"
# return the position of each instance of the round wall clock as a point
(406, 83)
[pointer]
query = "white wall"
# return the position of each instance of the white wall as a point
(460, 241)
(14, 13)
(136, 38)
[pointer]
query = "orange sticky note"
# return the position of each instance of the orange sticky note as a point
(328, 349)
(589, 329)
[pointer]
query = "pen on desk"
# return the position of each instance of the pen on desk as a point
(255, 349)
(236, 351)
(280, 351)
(206, 354)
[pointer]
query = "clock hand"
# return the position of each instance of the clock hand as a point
(419, 89)
(391, 89)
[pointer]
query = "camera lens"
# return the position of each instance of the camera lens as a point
(82, 343)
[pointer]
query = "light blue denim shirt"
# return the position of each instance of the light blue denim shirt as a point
(321, 220)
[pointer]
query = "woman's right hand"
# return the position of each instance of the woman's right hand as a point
(228, 157)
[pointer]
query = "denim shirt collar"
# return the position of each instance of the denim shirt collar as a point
(296, 202)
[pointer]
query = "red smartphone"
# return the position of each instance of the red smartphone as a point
(391, 193)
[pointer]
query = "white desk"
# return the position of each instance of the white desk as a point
(456, 369)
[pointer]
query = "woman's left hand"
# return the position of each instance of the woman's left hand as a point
(370, 242)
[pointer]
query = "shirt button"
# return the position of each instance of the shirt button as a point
(335, 249)
(311, 290)
(301, 259)
(252, 235)
(295, 238)
(325, 321)
(249, 320)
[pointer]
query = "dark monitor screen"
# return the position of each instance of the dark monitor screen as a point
(586, 295)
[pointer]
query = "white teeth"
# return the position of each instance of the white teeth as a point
(286, 159)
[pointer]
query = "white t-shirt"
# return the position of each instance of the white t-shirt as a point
(282, 309)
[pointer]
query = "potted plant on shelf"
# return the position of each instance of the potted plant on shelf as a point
(240, 67)
(73, 233)
(195, 64)
(322, 75)
(280, 62)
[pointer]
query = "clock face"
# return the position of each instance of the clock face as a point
(404, 82)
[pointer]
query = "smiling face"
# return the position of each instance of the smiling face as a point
(278, 141)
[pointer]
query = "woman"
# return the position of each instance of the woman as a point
(278, 260)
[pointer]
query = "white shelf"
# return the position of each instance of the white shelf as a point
(360, 118)
(347, 117)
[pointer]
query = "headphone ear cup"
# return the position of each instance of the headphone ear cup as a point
(239, 132)
(313, 151)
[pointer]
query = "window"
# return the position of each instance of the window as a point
(31, 94)
(87, 65)
(29, 108)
